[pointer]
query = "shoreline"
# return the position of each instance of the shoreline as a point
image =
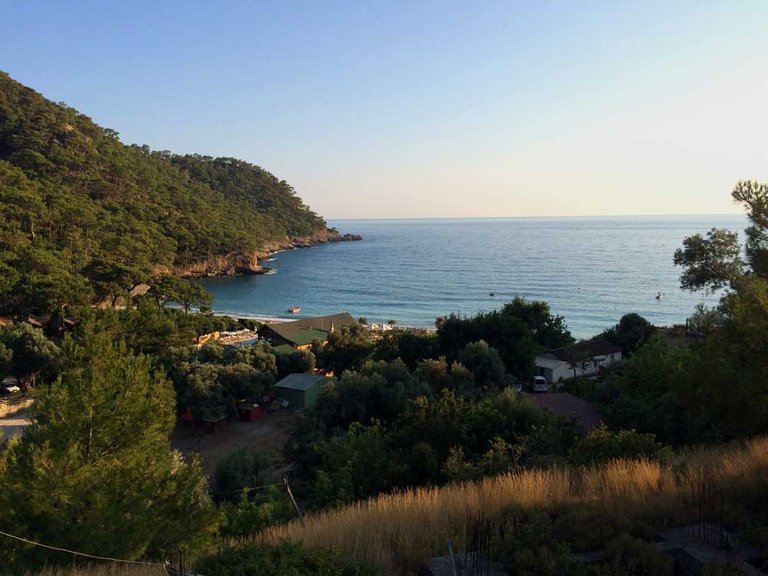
(263, 318)
(247, 264)
(266, 319)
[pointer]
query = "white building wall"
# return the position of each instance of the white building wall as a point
(565, 370)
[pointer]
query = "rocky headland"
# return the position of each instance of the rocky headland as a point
(239, 263)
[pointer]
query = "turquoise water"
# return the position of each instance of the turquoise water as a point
(590, 270)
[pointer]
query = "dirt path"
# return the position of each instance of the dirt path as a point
(267, 436)
(13, 424)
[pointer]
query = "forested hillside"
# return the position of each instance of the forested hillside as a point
(83, 215)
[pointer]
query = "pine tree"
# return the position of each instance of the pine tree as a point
(95, 472)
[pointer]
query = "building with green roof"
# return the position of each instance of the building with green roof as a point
(301, 390)
(283, 349)
(302, 333)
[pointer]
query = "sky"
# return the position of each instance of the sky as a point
(396, 109)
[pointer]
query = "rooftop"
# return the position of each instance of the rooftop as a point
(283, 349)
(307, 330)
(590, 348)
(548, 361)
(299, 381)
(324, 322)
(567, 405)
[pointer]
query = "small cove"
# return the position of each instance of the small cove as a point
(590, 270)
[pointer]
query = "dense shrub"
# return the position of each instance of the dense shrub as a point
(527, 546)
(485, 364)
(410, 347)
(294, 362)
(601, 445)
(347, 349)
(241, 468)
(518, 331)
(722, 569)
(630, 333)
(627, 555)
(256, 511)
(286, 559)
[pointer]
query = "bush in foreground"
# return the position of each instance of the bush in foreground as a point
(627, 555)
(241, 468)
(284, 559)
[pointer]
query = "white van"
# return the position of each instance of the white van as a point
(540, 384)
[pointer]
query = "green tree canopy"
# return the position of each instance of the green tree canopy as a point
(485, 363)
(714, 262)
(630, 333)
(241, 468)
(711, 262)
(95, 472)
(347, 349)
(754, 197)
(518, 332)
(184, 292)
(81, 210)
(32, 355)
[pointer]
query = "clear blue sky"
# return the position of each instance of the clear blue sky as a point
(399, 109)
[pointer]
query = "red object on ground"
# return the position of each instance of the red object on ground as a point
(213, 425)
(250, 412)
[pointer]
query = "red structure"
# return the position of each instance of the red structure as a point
(248, 412)
(213, 425)
(187, 417)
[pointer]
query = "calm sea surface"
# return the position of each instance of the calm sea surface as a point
(590, 270)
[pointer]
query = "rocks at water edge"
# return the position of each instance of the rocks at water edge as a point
(239, 263)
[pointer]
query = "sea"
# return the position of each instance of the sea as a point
(591, 270)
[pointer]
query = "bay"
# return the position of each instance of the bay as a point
(590, 270)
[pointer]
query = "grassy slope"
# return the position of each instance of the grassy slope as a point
(399, 531)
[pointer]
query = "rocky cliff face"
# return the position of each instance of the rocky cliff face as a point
(227, 265)
(239, 263)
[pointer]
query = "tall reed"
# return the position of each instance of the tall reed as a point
(399, 531)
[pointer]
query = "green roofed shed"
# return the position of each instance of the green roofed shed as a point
(283, 349)
(301, 390)
(308, 335)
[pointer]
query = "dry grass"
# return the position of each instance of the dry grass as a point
(10, 406)
(399, 531)
(104, 569)
(404, 528)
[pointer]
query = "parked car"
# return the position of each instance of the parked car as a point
(9, 389)
(540, 384)
(9, 385)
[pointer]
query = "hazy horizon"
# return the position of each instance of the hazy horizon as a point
(546, 217)
(430, 109)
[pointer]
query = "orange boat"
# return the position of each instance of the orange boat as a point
(294, 309)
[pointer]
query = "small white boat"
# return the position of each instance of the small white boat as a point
(294, 309)
(659, 295)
